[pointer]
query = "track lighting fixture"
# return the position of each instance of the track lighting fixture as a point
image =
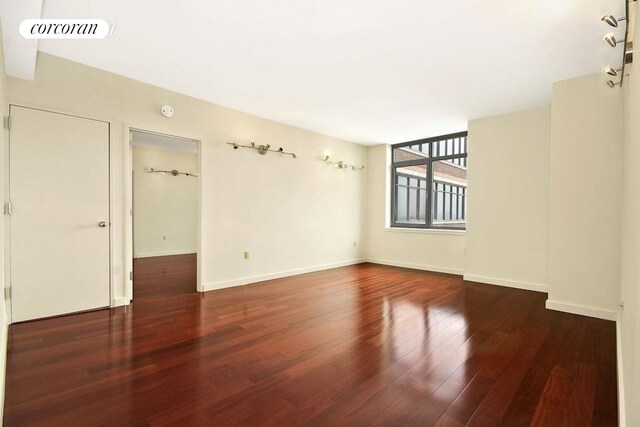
(173, 172)
(341, 165)
(610, 71)
(612, 20)
(262, 149)
(611, 39)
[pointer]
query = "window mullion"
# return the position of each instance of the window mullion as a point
(429, 194)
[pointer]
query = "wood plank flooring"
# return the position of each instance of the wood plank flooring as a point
(358, 345)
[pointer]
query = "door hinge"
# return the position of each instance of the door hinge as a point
(131, 211)
(131, 275)
(7, 293)
(7, 208)
(7, 122)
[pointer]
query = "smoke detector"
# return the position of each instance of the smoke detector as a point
(167, 111)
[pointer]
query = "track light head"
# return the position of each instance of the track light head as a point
(611, 39)
(610, 19)
(610, 71)
(611, 84)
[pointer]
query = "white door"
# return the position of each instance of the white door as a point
(59, 192)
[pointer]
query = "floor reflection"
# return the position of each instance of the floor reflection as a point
(357, 345)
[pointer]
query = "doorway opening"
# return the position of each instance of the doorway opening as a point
(165, 213)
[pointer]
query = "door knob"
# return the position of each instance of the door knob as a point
(102, 224)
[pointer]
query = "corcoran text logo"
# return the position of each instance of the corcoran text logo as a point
(66, 29)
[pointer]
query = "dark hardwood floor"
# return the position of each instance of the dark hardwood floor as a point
(358, 345)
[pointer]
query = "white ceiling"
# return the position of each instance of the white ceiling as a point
(164, 142)
(369, 71)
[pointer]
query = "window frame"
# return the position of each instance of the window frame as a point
(428, 161)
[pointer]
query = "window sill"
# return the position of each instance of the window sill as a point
(425, 231)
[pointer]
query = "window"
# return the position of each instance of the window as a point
(429, 183)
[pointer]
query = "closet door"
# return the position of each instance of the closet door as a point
(59, 222)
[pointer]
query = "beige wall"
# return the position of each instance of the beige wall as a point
(421, 249)
(629, 321)
(585, 199)
(508, 223)
(165, 206)
(292, 215)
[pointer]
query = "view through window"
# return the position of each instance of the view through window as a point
(429, 183)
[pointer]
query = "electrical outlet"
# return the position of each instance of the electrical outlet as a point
(164, 237)
(246, 254)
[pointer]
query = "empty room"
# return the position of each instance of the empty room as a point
(354, 213)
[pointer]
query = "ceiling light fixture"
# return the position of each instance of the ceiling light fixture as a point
(612, 20)
(611, 39)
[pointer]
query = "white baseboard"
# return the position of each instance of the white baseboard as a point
(254, 279)
(164, 253)
(424, 267)
(3, 360)
(582, 310)
(537, 287)
(119, 302)
(622, 420)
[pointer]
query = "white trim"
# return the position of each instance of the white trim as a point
(537, 287)
(582, 310)
(254, 279)
(119, 302)
(459, 233)
(622, 421)
(165, 253)
(3, 360)
(425, 267)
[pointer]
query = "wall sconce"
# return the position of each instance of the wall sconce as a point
(341, 165)
(262, 149)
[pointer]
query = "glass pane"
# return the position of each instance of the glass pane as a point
(450, 144)
(449, 194)
(414, 152)
(442, 148)
(411, 195)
